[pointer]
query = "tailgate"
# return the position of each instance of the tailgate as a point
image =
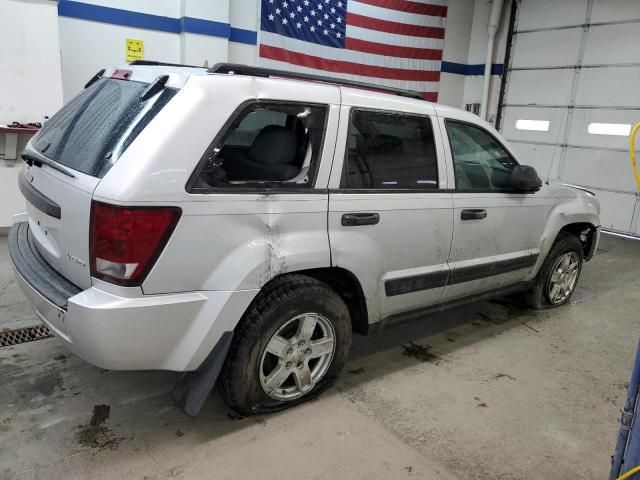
(58, 208)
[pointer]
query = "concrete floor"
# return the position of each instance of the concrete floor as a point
(485, 392)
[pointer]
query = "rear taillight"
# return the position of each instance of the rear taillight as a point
(125, 242)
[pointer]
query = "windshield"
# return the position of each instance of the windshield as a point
(92, 131)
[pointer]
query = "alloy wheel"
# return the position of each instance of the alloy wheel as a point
(564, 276)
(297, 356)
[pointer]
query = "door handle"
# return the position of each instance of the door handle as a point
(357, 219)
(473, 214)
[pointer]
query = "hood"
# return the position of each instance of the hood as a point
(578, 187)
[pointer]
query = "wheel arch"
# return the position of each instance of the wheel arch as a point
(345, 284)
(568, 219)
(587, 234)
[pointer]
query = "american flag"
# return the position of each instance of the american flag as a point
(396, 43)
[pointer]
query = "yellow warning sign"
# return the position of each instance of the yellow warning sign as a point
(134, 50)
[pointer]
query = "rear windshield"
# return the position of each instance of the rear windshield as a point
(92, 131)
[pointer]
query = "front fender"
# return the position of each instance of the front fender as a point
(580, 209)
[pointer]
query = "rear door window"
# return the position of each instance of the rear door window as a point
(252, 124)
(92, 131)
(267, 144)
(388, 150)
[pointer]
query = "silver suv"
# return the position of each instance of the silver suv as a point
(240, 223)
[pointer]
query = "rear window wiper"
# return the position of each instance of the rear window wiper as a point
(95, 78)
(155, 87)
(38, 160)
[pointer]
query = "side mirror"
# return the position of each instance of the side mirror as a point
(525, 179)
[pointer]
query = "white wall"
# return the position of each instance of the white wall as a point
(478, 52)
(30, 81)
(244, 14)
(196, 49)
(86, 47)
(456, 49)
(11, 201)
(164, 8)
(466, 44)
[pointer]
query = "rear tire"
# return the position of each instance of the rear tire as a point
(558, 277)
(289, 347)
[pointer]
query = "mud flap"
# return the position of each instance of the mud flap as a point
(192, 390)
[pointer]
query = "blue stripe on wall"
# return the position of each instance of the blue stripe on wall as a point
(241, 35)
(205, 27)
(127, 18)
(116, 16)
(462, 69)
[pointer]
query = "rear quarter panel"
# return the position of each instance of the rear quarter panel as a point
(240, 242)
(228, 240)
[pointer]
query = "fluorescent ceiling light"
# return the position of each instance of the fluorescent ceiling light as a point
(533, 125)
(620, 129)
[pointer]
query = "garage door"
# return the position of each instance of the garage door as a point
(572, 93)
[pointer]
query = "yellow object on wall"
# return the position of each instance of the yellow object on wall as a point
(632, 152)
(134, 50)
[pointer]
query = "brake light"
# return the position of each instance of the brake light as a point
(125, 242)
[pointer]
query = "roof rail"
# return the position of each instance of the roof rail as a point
(240, 69)
(162, 64)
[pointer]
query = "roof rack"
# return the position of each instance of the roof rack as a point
(240, 69)
(155, 63)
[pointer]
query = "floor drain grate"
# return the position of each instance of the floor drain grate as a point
(23, 335)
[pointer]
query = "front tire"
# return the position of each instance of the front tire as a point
(558, 277)
(289, 347)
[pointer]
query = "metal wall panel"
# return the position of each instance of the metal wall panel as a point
(539, 87)
(536, 14)
(602, 169)
(600, 84)
(609, 87)
(555, 116)
(611, 44)
(579, 134)
(555, 48)
(544, 158)
(538, 149)
(617, 210)
(615, 10)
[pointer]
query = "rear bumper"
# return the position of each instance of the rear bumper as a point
(129, 332)
(35, 270)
